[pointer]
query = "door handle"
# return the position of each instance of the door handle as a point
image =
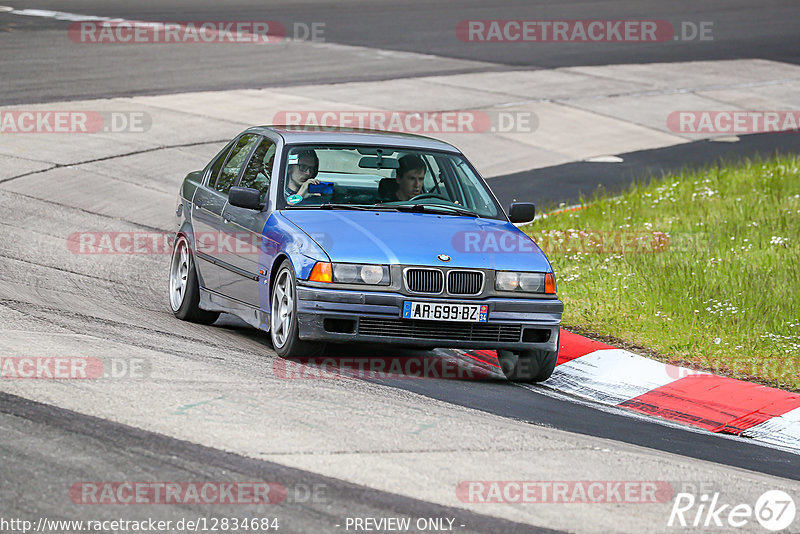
(226, 219)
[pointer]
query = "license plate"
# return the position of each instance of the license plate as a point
(442, 311)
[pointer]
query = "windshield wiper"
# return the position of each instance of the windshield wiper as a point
(433, 208)
(330, 206)
(358, 207)
(418, 208)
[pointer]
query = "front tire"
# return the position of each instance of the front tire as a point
(184, 290)
(529, 365)
(284, 327)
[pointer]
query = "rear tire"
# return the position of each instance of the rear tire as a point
(184, 290)
(529, 365)
(284, 326)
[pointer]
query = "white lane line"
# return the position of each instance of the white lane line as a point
(75, 17)
(61, 15)
(605, 159)
(388, 54)
(6, 9)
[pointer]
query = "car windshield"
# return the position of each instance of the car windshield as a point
(386, 178)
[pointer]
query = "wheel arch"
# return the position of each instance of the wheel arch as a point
(186, 231)
(273, 273)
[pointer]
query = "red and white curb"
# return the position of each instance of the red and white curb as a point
(615, 377)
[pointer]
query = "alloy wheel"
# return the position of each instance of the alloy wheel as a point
(178, 274)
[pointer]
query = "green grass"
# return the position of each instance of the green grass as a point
(721, 291)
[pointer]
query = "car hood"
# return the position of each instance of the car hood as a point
(388, 237)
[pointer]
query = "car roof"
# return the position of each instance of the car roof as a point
(294, 135)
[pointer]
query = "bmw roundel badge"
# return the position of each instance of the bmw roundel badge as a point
(443, 257)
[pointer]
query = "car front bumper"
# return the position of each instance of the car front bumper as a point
(341, 316)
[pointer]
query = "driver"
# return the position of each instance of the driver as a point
(410, 176)
(302, 174)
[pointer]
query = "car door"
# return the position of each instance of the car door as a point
(244, 227)
(212, 251)
(206, 209)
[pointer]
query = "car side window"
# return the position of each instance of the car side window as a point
(217, 165)
(236, 158)
(258, 173)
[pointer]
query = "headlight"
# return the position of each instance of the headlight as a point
(356, 273)
(505, 281)
(525, 282)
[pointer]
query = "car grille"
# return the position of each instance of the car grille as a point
(464, 282)
(440, 330)
(429, 281)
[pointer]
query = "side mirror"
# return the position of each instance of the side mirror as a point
(521, 212)
(245, 197)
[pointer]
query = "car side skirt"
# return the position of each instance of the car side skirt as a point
(213, 301)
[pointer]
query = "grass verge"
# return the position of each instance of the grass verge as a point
(702, 268)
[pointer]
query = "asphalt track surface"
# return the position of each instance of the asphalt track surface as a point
(40, 65)
(65, 441)
(580, 180)
(46, 446)
(510, 400)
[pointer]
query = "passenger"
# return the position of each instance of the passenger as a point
(302, 174)
(410, 176)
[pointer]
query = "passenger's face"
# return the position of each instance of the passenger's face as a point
(304, 170)
(409, 184)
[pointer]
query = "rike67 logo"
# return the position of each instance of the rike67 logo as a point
(774, 510)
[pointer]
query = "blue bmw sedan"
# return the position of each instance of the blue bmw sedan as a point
(338, 236)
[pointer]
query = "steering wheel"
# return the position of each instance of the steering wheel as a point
(428, 195)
